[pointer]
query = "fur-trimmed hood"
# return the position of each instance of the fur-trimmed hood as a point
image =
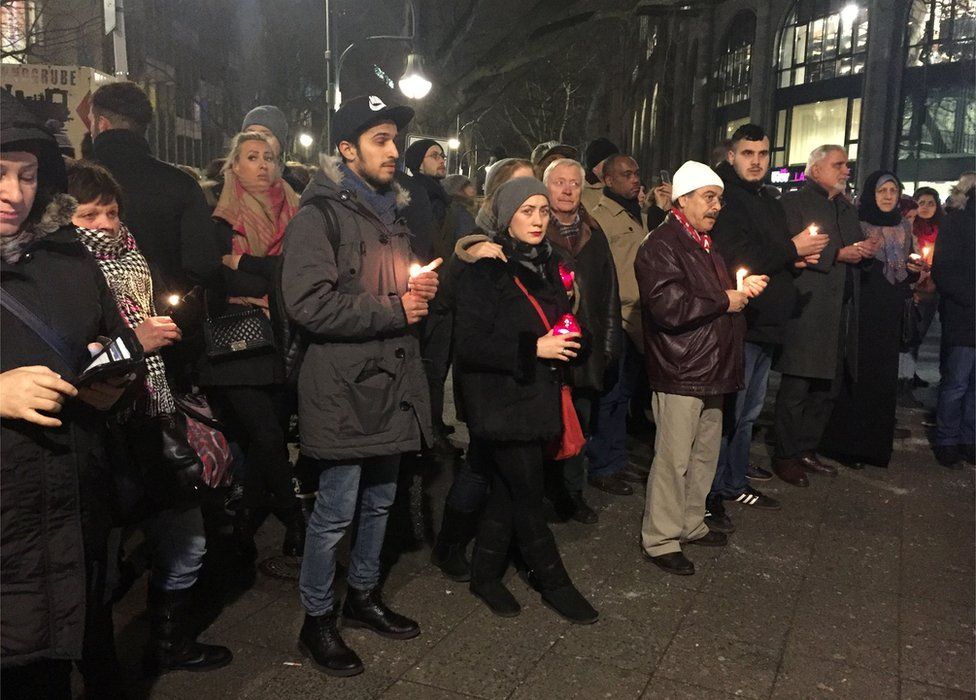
(331, 177)
(56, 215)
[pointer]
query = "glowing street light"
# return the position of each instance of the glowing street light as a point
(453, 143)
(414, 85)
(848, 14)
(305, 140)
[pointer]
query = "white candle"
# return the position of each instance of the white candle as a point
(814, 230)
(915, 256)
(415, 269)
(740, 278)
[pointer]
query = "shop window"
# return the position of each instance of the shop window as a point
(822, 39)
(802, 128)
(939, 124)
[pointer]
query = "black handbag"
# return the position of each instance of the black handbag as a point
(243, 330)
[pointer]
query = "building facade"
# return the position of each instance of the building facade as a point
(891, 80)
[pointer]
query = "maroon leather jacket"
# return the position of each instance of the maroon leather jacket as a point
(693, 346)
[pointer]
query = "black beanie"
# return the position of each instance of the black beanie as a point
(599, 150)
(414, 155)
(22, 130)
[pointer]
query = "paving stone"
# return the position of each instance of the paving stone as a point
(306, 682)
(405, 690)
(558, 676)
(805, 677)
(937, 617)
(936, 661)
(667, 689)
(718, 663)
(858, 639)
(912, 690)
(749, 617)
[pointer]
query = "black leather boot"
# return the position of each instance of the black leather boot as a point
(488, 569)
(321, 642)
(366, 609)
(246, 524)
(448, 554)
(293, 518)
(171, 648)
(558, 591)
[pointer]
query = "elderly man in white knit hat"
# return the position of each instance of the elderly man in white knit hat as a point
(693, 335)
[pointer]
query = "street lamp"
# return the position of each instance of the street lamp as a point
(413, 84)
(305, 140)
(453, 143)
(848, 14)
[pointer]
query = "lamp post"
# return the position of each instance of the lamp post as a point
(305, 140)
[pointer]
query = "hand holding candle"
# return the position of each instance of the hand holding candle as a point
(740, 278)
(809, 242)
(566, 324)
(423, 279)
(927, 254)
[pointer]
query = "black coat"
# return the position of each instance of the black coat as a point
(54, 513)
(165, 210)
(598, 312)
(751, 232)
(954, 272)
(419, 215)
(507, 393)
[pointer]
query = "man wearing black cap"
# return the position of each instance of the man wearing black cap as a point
(597, 152)
(362, 395)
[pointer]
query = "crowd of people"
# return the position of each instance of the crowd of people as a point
(568, 302)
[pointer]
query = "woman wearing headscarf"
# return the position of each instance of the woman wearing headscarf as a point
(55, 501)
(509, 364)
(249, 389)
(862, 426)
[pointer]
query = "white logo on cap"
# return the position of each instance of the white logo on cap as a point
(375, 103)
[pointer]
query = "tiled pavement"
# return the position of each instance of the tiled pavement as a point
(861, 587)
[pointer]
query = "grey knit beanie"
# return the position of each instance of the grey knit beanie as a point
(510, 196)
(272, 118)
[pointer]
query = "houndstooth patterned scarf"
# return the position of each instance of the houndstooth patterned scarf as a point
(128, 276)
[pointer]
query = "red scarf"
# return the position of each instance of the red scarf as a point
(701, 239)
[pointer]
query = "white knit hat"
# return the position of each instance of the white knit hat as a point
(692, 175)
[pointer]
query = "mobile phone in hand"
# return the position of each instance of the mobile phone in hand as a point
(665, 177)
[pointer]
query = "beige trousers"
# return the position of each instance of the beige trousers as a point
(689, 433)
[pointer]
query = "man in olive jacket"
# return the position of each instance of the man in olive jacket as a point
(820, 337)
(693, 338)
(363, 398)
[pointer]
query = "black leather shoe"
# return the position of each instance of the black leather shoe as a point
(365, 609)
(711, 539)
(171, 647)
(612, 485)
(811, 463)
(582, 513)
(673, 562)
(791, 471)
(321, 642)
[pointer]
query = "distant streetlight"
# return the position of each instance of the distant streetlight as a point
(453, 143)
(849, 14)
(414, 85)
(305, 140)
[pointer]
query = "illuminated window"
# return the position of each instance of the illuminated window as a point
(822, 39)
(802, 128)
(734, 66)
(941, 31)
(18, 30)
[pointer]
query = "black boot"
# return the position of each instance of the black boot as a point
(293, 518)
(366, 609)
(558, 591)
(448, 554)
(171, 648)
(488, 567)
(246, 524)
(320, 641)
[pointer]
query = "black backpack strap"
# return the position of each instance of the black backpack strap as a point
(41, 329)
(331, 221)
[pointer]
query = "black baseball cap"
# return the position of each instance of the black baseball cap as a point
(360, 113)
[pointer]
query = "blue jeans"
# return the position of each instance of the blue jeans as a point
(606, 450)
(179, 543)
(733, 457)
(955, 416)
(362, 490)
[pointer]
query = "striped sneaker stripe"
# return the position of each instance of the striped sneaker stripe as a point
(747, 498)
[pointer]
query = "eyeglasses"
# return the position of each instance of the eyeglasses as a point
(437, 156)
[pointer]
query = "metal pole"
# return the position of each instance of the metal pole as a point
(326, 139)
(118, 43)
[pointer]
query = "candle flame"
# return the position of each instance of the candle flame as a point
(925, 251)
(415, 269)
(813, 229)
(173, 300)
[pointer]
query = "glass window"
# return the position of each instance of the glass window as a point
(733, 69)
(940, 123)
(941, 31)
(731, 126)
(823, 39)
(814, 125)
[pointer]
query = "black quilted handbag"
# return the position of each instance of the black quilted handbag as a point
(243, 330)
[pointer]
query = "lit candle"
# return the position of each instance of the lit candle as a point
(740, 278)
(566, 324)
(914, 256)
(173, 300)
(814, 230)
(415, 269)
(925, 253)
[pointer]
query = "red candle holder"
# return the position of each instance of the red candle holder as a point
(566, 324)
